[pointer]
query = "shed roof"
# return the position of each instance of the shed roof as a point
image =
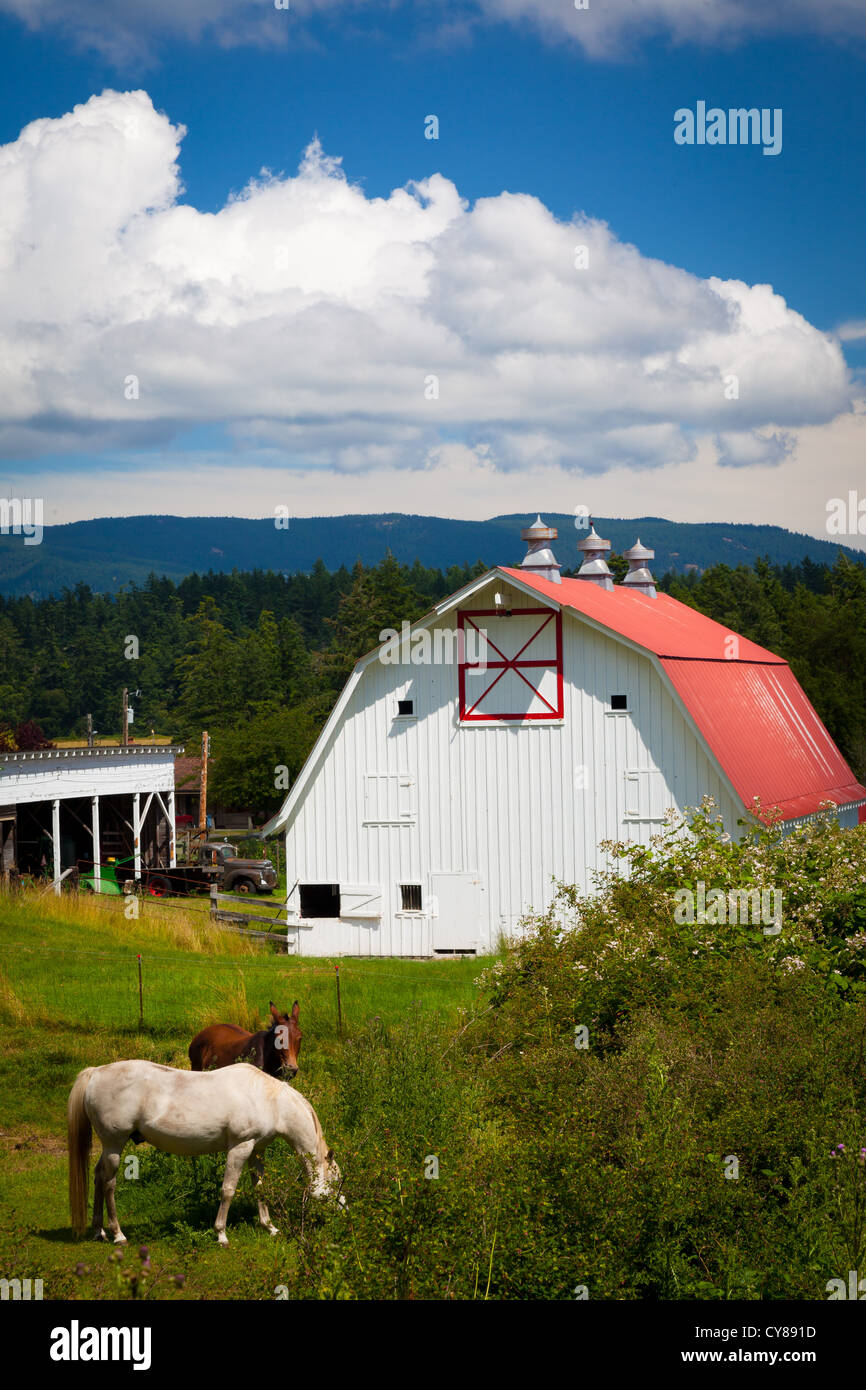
(82, 751)
(187, 774)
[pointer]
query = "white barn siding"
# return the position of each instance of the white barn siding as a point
(500, 802)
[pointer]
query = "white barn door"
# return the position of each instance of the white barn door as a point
(457, 908)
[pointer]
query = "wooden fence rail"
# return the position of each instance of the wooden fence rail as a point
(219, 914)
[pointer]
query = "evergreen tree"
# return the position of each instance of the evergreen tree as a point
(210, 673)
(380, 598)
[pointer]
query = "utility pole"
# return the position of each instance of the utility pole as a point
(90, 730)
(125, 734)
(202, 798)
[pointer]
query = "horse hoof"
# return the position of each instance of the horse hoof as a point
(223, 1243)
(272, 1231)
(120, 1239)
(99, 1235)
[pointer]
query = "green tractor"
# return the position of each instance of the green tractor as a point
(107, 884)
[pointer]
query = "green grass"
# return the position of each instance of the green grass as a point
(69, 998)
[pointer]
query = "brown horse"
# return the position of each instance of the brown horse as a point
(273, 1050)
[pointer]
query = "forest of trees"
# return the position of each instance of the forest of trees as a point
(258, 658)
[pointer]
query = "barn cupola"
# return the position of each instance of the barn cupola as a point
(539, 558)
(639, 579)
(594, 566)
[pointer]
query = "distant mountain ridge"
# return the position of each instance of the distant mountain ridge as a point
(109, 552)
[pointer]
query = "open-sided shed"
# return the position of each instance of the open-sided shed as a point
(68, 808)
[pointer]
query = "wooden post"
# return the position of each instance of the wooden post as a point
(136, 833)
(97, 840)
(339, 1010)
(55, 839)
(140, 997)
(202, 797)
(172, 843)
(124, 739)
(90, 730)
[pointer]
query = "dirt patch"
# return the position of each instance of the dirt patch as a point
(32, 1142)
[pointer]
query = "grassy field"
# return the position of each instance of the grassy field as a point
(620, 1103)
(69, 998)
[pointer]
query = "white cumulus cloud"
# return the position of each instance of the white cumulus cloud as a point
(352, 332)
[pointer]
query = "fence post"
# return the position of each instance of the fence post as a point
(339, 1010)
(140, 998)
(214, 901)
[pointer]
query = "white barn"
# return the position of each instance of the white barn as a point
(451, 785)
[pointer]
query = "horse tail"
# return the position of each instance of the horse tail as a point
(196, 1050)
(79, 1136)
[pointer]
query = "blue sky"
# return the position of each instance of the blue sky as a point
(522, 110)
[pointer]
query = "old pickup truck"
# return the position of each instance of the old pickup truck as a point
(214, 862)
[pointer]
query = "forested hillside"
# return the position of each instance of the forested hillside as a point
(108, 553)
(258, 658)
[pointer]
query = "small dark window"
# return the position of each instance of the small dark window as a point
(619, 702)
(405, 706)
(320, 899)
(411, 895)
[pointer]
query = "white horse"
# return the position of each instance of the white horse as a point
(238, 1110)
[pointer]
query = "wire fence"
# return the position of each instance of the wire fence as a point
(129, 989)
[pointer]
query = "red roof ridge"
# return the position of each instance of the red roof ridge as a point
(663, 625)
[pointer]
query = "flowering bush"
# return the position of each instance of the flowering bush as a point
(595, 955)
(683, 1083)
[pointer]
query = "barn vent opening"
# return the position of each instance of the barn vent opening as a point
(594, 568)
(639, 579)
(320, 899)
(410, 896)
(539, 558)
(619, 702)
(465, 951)
(405, 706)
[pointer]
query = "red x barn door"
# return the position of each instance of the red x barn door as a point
(515, 666)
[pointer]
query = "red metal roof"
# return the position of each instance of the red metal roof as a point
(662, 624)
(746, 701)
(766, 735)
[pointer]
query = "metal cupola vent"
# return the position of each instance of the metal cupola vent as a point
(594, 567)
(539, 558)
(639, 577)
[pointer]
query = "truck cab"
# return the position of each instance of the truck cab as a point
(237, 875)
